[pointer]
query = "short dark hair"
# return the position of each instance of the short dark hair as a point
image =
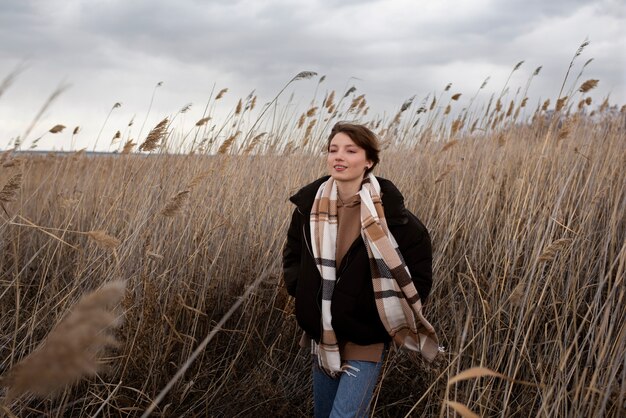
(362, 136)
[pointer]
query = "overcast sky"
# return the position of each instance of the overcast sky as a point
(117, 50)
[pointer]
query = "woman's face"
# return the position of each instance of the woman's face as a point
(346, 161)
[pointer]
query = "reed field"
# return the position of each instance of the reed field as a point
(185, 227)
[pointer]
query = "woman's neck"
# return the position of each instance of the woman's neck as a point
(346, 190)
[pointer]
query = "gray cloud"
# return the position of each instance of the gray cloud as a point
(395, 48)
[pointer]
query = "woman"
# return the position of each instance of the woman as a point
(355, 292)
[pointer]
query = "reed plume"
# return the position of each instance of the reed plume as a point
(197, 179)
(223, 149)
(9, 191)
(555, 247)
(155, 136)
(588, 85)
(301, 120)
(56, 129)
(329, 100)
(72, 349)
(175, 205)
(304, 75)
(128, 147)
(221, 94)
(311, 111)
(104, 240)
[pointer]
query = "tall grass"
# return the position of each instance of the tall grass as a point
(526, 216)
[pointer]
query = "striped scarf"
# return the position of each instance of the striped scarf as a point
(397, 300)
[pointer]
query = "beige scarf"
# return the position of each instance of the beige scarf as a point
(397, 299)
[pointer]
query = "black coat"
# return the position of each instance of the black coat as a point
(354, 314)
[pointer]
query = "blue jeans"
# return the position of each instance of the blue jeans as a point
(347, 395)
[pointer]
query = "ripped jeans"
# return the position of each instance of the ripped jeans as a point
(348, 395)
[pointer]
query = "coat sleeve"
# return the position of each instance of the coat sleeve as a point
(416, 249)
(291, 254)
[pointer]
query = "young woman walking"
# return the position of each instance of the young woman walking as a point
(359, 265)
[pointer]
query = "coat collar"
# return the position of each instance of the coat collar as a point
(393, 201)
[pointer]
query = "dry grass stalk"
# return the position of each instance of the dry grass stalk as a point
(455, 96)
(128, 147)
(355, 102)
(56, 129)
(407, 103)
(510, 111)
(449, 145)
(223, 149)
(71, 350)
(604, 105)
(175, 205)
(104, 240)
(10, 189)
(13, 162)
(221, 94)
(447, 171)
(311, 111)
(304, 75)
(501, 139)
(154, 256)
(461, 409)
(255, 141)
(457, 125)
(67, 203)
(329, 100)
(79, 153)
(197, 179)
(560, 103)
(588, 85)
(75, 131)
(301, 121)
(239, 107)
(498, 106)
(555, 247)
(361, 107)
(448, 108)
(309, 128)
(563, 132)
(203, 121)
(545, 105)
(517, 295)
(5, 155)
(155, 136)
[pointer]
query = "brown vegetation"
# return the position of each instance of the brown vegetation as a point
(526, 214)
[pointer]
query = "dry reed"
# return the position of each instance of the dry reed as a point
(72, 349)
(528, 262)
